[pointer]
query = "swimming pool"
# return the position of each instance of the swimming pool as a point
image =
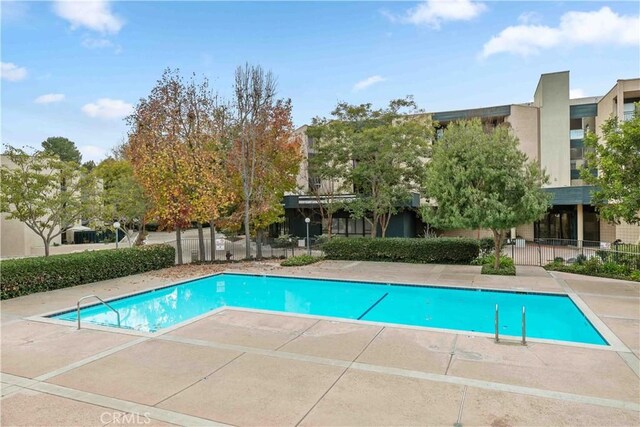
(549, 316)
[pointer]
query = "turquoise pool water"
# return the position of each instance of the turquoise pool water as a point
(553, 317)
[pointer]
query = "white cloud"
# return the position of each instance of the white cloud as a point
(13, 73)
(530, 18)
(106, 108)
(434, 12)
(576, 93)
(92, 43)
(94, 15)
(100, 43)
(369, 81)
(92, 152)
(49, 98)
(601, 27)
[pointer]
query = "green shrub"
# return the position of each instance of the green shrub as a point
(505, 261)
(595, 267)
(298, 260)
(509, 270)
(581, 259)
(284, 241)
(321, 239)
(29, 275)
(625, 254)
(443, 250)
(507, 266)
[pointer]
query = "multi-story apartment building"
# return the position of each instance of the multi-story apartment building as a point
(551, 132)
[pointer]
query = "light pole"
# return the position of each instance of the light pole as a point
(116, 225)
(308, 220)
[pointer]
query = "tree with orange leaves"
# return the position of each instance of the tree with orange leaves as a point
(173, 147)
(279, 157)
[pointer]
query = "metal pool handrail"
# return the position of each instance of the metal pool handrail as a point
(99, 299)
(524, 326)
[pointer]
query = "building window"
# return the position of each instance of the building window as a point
(349, 227)
(629, 109)
(339, 226)
(314, 182)
(576, 154)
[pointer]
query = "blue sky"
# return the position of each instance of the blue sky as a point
(75, 69)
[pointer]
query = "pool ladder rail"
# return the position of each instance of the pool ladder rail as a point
(524, 325)
(103, 302)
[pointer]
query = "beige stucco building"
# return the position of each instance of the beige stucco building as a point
(551, 132)
(16, 239)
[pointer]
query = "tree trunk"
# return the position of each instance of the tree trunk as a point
(46, 247)
(247, 240)
(201, 248)
(179, 245)
(497, 239)
(329, 223)
(374, 227)
(212, 230)
(141, 234)
(258, 244)
(384, 224)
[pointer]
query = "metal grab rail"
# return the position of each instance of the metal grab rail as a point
(524, 326)
(497, 325)
(99, 299)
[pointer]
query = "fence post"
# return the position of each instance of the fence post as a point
(539, 254)
(513, 255)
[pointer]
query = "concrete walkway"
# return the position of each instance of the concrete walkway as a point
(239, 367)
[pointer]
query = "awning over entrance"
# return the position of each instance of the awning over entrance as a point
(578, 195)
(294, 201)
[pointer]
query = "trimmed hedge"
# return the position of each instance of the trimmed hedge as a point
(441, 250)
(29, 275)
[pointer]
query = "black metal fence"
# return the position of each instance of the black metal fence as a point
(543, 251)
(235, 249)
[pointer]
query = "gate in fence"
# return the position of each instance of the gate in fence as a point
(544, 251)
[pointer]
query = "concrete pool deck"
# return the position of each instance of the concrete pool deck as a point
(239, 367)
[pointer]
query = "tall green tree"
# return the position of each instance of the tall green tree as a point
(62, 147)
(386, 148)
(327, 167)
(47, 194)
(479, 178)
(616, 158)
(122, 197)
(89, 165)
